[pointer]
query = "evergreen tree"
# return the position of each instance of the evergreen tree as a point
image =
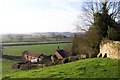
(103, 26)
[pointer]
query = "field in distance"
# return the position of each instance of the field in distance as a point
(42, 48)
(85, 68)
(17, 51)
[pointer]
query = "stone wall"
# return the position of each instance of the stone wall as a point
(110, 49)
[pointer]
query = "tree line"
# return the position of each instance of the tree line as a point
(34, 38)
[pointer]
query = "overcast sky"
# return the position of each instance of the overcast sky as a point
(25, 16)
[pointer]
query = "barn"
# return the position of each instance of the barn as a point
(60, 53)
(32, 57)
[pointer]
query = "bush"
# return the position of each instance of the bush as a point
(16, 66)
(80, 45)
(84, 44)
(70, 59)
(24, 67)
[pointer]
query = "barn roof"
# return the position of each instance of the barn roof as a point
(32, 54)
(60, 54)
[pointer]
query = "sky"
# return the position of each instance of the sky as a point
(26, 16)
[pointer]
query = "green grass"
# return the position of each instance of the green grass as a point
(88, 68)
(17, 51)
(7, 67)
(43, 48)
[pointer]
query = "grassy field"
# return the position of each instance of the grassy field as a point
(43, 48)
(17, 51)
(88, 68)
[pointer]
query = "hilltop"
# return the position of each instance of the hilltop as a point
(87, 68)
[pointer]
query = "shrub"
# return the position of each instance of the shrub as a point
(16, 66)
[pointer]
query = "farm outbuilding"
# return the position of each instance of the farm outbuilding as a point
(60, 54)
(32, 57)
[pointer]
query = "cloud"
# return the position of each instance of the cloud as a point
(22, 16)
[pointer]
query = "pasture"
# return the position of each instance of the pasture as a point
(85, 68)
(88, 68)
(43, 48)
(17, 51)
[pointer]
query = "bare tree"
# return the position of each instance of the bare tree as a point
(91, 7)
(96, 18)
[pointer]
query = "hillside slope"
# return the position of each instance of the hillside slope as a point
(87, 68)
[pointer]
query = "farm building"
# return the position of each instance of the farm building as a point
(60, 53)
(32, 57)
